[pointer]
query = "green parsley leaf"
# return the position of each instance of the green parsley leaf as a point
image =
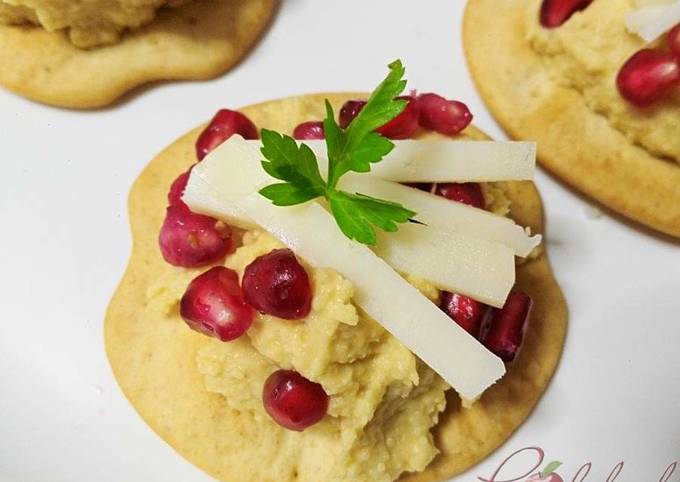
(284, 194)
(382, 106)
(371, 149)
(359, 146)
(292, 163)
(356, 214)
(351, 149)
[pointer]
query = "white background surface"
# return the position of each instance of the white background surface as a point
(64, 243)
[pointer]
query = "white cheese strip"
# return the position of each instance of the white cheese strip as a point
(310, 231)
(651, 21)
(460, 264)
(235, 167)
(449, 161)
(441, 213)
(452, 261)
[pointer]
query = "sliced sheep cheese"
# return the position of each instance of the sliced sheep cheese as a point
(650, 22)
(310, 231)
(432, 210)
(450, 161)
(440, 213)
(234, 156)
(480, 269)
(452, 262)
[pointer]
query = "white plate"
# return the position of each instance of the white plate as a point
(64, 243)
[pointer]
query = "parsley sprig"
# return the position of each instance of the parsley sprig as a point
(352, 149)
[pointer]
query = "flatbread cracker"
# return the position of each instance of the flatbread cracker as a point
(154, 361)
(574, 143)
(199, 40)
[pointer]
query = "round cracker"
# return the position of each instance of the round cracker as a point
(199, 40)
(154, 360)
(576, 144)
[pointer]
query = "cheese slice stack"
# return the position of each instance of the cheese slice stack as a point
(474, 258)
(481, 268)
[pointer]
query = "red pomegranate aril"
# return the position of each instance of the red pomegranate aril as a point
(404, 126)
(222, 126)
(293, 401)
(277, 284)
(555, 12)
(465, 311)
(177, 189)
(349, 111)
(648, 76)
(507, 326)
(469, 193)
(309, 131)
(191, 240)
(213, 305)
(448, 117)
(673, 40)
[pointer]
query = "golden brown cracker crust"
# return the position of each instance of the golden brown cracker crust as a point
(199, 40)
(576, 144)
(154, 361)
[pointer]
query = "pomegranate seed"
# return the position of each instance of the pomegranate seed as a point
(177, 189)
(190, 240)
(507, 326)
(447, 117)
(349, 111)
(213, 305)
(278, 285)
(309, 131)
(469, 193)
(673, 40)
(293, 401)
(403, 126)
(465, 311)
(222, 126)
(647, 76)
(555, 12)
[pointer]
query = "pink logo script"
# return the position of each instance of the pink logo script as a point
(549, 474)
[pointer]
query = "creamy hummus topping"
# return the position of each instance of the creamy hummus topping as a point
(586, 54)
(383, 399)
(88, 23)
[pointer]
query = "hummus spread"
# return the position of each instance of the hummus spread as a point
(586, 53)
(383, 399)
(89, 23)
